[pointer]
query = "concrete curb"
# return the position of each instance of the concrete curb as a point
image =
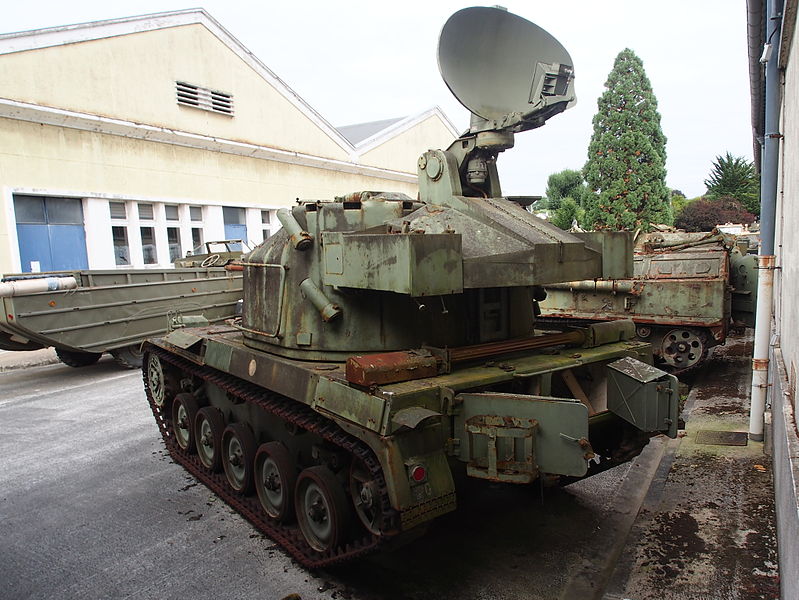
(10, 360)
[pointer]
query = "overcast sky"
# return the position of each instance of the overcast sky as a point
(357, 61)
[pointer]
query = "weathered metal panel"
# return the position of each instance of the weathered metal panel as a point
(562, 423)
(218, 356)
(412, 263)
(743, 278)
(616, 248)
(338, 398)
(643, 395)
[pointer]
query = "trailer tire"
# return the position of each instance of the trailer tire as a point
(129, 357)
(77, 359)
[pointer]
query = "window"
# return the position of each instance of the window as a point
(117, 210)
(146, 212)
(29, 209)
(196, 213)
(265, 217)
(266, 233)
(232, 215)
(189, 94)
(173, 238)
(49, 210)
(171, 211)
(121, 248)
(197, 240)
(148, 245)
(64, 211)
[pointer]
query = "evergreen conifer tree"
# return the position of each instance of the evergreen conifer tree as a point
(735, 176)
(626, 166)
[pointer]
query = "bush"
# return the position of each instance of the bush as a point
(704, 214)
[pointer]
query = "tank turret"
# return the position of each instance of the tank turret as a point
(375, 272)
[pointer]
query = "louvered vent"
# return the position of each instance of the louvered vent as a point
(146, 212)
(117, 210)
(199, 97)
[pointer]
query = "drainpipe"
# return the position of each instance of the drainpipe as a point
(768, 206)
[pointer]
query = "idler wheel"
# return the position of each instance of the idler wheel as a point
(238, 456)
(365, 496)
(275, 478)
(322, 508)
(682, 348)
(184, 413)
(208, 427)
(156, 380)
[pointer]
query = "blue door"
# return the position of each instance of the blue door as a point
(236, 232)
(50, 232)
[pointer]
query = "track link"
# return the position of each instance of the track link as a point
(300, 415)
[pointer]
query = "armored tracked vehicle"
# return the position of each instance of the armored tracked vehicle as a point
(387, 341)
(686, 291)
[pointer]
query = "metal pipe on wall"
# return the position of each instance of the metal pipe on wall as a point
(768, 207)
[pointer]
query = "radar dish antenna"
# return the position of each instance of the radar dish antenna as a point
(507, 71)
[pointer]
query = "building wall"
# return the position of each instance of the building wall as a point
(98, 120)
(56, 161)
(784, 358)
(785, 450)
(133, 77)
(392, 154)
(787, 238)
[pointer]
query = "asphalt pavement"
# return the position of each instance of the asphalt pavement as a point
(92, 507)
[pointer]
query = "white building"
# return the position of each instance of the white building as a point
(783, 351)
(129, 142)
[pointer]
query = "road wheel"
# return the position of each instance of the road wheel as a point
(208, 427)
(366, 497)
(77, 359)
(683, 348)
(322, 508)
(238, 456)
(129, 357)
(184, 413)
(275, 478)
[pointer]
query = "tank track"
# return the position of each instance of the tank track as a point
(300, 415)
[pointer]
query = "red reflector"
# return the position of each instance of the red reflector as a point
(418, 473)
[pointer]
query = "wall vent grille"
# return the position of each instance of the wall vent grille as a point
(189, 94)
